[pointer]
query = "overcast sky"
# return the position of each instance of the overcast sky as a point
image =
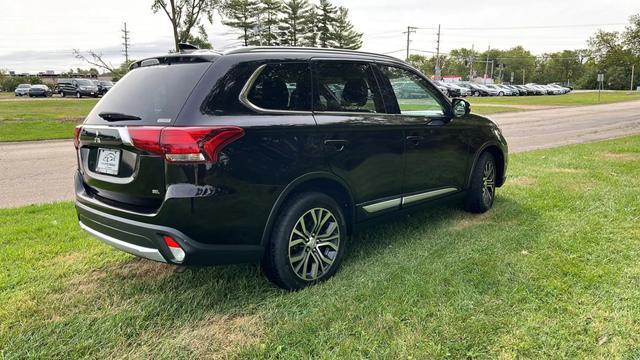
(39, 35)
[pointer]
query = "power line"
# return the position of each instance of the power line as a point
(534, 27)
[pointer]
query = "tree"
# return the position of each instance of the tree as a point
(421, 63)
(459, 62)
(632, 35)
(97, 59)
(517, 60)
(343, 34)
(185, 16)
(310, 24)
(326, 20)
(270, 12)
(292, 25)
(242, 15)
(608, 51)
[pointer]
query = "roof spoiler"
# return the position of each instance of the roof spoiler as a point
(186, 48)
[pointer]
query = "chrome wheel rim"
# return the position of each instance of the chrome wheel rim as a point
(314, 244)
(488, 182)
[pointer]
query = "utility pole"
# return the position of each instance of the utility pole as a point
(410, 29)
(486, 65)
(126, 43)
(633, 67)
(471, 62)
(438, 55)
(523, 72)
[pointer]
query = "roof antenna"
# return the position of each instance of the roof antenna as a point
(186, 48)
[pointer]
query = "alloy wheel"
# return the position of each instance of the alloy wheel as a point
(488, 182)
(314, 244)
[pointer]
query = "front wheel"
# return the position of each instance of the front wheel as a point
(78, 95)
(307, 242)
(482, 190)
(476, 93)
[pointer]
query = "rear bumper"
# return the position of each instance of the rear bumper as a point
(145, 240)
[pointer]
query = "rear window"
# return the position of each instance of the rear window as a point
(284, 86)
(155, 94)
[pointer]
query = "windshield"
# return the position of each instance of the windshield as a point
(24, 85)
(85, 82)
(155, 94)
(40, 86)
(106, 83)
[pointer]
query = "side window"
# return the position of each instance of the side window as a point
(283, 86)
(412, 92)
(347, 87)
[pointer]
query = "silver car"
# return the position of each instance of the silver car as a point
(22, 90)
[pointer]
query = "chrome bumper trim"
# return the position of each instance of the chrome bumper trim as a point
(143, 252)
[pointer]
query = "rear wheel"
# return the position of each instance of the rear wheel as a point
(307, 242)
(476, 93)
(482, 191)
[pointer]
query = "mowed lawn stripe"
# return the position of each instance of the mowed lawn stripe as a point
(41, 119)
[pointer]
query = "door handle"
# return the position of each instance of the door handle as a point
(415, 139)
(338, 144)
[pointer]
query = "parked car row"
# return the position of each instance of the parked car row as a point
(66, 87)
(468, 88)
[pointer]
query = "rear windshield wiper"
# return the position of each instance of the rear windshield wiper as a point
(114, 116)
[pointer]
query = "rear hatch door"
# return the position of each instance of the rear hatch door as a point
(113, 169)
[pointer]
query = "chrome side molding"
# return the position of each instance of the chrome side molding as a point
(383, 205)
(427, 195)
(408, 199)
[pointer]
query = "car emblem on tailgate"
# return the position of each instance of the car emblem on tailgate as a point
(97, 139)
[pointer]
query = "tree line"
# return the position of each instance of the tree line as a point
(291, 23)
(263, 22)
(612, 53)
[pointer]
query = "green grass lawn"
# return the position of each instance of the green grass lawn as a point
(41, 119)
(571, 99)
(551, 272)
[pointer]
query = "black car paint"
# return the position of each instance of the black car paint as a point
(223, 212)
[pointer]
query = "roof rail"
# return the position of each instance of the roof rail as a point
(250, 49)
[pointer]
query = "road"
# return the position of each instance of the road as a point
(38, 172)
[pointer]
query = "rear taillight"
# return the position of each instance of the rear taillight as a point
(174, 247)
(185, 144)
(76, 136)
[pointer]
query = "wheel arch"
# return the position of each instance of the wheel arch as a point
(498, 155)
(323, 182)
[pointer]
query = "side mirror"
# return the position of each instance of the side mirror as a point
(461, 107)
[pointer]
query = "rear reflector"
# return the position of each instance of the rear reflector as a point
(174, 247)
(76, 136)
(185, 144)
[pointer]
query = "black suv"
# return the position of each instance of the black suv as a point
(76, 87)
(273, 154)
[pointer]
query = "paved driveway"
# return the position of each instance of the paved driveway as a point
(37, 172)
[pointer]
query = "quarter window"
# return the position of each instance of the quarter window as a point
(412, 92)
(347, 87)
(284, 86)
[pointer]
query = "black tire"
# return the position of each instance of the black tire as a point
(482, 191)
(476, 93)
(63, 94)
(280, 264)
(78, 95)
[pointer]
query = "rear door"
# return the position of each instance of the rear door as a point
(112, 160)
(436, 152)
(362, 143)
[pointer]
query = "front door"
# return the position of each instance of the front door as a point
(436, 153)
